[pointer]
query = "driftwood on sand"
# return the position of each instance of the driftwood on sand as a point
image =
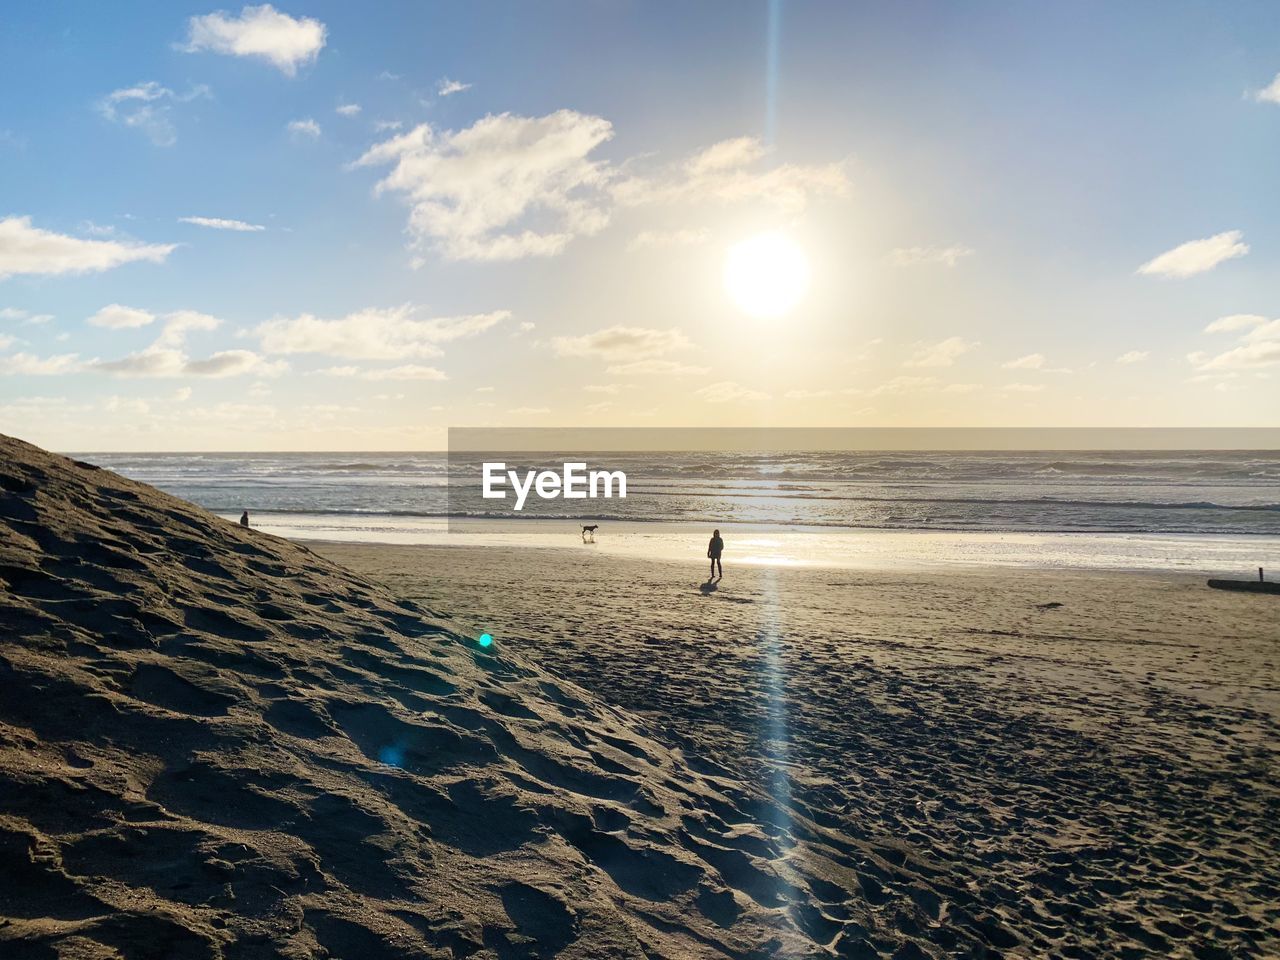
(1261, 585)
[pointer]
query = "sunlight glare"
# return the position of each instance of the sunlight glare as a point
(766, 275)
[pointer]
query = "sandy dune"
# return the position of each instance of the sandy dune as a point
(214, 743)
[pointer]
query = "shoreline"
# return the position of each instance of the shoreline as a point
(772, 545)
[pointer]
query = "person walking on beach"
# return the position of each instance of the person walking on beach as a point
(714, 549)
(244, 519)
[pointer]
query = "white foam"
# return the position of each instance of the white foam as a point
(766, 545)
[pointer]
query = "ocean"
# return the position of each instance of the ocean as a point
(1103, 492)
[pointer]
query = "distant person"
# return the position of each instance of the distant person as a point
(244, 519)
(714, 549)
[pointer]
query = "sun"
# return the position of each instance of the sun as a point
(766, 275)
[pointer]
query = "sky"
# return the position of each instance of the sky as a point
(325, 226)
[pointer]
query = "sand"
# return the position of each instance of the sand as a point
(215, 743)
(1019, 762)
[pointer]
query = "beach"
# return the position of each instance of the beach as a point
(219, 744)
(1079, 763)
(599, 481)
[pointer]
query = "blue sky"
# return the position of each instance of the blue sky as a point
(976, 189)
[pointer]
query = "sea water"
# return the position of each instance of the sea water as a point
(1200, 510)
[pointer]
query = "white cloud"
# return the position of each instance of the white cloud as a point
(117, 317)
(152, 362)
(1269, 93)
(1253, 356)
(27, 318)
(622, 343)
(182, 394)
(1133, 356)
(1032, 361)
(371, 334)
(1236, 321)
(668, 238)
(904, 384)
(962, 388)
(261, 32)
(447, 87)
(167, 357)
(303, 128)
(610, 388)
(97, 229)
(134, 405)
(181, 322)
(914, 256)
(645, 367)
(218, 223)
(382, 126)
(1023, 387)
(1259, 348)
(529, 411)
(31, 365)
(5, 341)
(148, 107)
(510, 187)
(722, 174)
(727, 391)
(25, 249)
(348, 109)
(1197, 256)
(408, 371)
(232, 363)
(940, 354)
(804, 394)
(726, 155)
(506, 187)
(159, 361)
(1265, 331)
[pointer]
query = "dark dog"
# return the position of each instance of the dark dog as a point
(589, 530)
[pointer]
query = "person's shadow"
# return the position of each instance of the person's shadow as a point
(708, 587)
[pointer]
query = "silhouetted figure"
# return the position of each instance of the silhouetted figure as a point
(244, 519)
(714, 549)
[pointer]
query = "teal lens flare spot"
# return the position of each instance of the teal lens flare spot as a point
(485, 640)
(391, 756)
